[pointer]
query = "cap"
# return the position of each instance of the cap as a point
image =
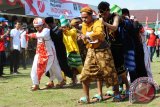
(63, 20)
(38, 21)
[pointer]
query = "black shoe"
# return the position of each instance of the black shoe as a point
(1, 76)
(17, 72)
(11, 72)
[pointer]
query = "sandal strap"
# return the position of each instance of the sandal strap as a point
(35, 88)
(98, 97)
(83, 100)
(110, 93)
(117, 98)
(50, 84)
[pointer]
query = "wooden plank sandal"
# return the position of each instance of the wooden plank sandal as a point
(35, 88)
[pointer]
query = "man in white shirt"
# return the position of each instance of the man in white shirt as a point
(23, 45)
(15, 48)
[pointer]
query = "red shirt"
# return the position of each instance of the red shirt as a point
(2, 46)
(152, 40)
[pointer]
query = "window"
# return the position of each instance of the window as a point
(75, 6)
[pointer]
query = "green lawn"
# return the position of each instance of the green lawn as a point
(15, 92)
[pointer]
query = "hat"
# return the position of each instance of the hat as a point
(74, 22)
(63, 20)
(116, 9)
(49, 20)
(87, 9)
(2, 19)
(38, 21)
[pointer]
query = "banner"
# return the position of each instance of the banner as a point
(12, 2)
(51, 8)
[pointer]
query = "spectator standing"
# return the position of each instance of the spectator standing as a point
(15, 48)
(23, 45)
(151, 43)
(2, 48)
(158, 46)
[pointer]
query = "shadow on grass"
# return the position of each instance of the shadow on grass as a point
(92, 85)
(77, 86)
(9, 76)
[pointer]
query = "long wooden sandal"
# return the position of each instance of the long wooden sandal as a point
(49, 85)
(61, 84)
(35, 88)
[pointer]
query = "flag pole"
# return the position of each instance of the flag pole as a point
(146, 25)
(156, 25)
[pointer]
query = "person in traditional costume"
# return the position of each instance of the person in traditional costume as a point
(45, 58)
(99, 64)
(57, 38)
(112, 24)
(75, 23)
(139, 51)
(147, 60)
(70, 41)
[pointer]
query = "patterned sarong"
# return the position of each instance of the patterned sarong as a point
(102, 62)
(74, 60)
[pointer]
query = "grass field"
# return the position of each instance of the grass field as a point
(15, 92)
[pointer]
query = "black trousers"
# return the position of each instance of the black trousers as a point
(14, 60)
(2, 61)
(23, 57)
(157, 51)
(118, 57)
